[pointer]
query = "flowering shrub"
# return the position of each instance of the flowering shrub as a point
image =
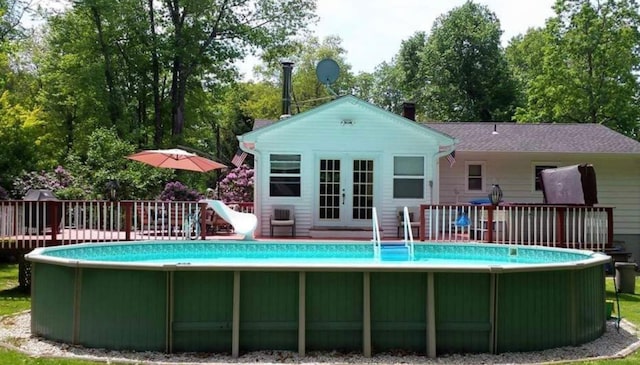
(58, 181)
(237, 185)
(177, 191)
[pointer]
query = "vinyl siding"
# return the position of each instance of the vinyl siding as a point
(373, 134)
(618, 181)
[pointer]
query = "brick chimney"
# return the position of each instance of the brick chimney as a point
(409, 110)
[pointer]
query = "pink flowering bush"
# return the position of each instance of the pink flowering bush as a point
(60, 181)
(237, 185)
(177, 191)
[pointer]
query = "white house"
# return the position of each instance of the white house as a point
(335, 162)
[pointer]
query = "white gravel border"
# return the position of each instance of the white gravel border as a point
(15, 334)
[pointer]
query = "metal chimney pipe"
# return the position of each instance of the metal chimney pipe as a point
(287, 67)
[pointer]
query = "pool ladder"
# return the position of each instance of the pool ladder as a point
(393, 251)
(376, 235)
(408, 232)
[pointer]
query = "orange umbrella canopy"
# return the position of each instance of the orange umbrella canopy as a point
(176, 158)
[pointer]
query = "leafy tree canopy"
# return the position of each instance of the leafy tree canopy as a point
(582, 67)
(464, 69)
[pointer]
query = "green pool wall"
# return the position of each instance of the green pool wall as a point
(177, 310)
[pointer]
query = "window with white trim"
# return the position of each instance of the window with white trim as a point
(408, 177)
(284, 175)
(475, 176)
(537, 180)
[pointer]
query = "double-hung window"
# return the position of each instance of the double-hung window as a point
(284, 175)
(408, 177)
(475, 176)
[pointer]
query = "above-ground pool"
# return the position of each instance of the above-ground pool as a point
(238, 296)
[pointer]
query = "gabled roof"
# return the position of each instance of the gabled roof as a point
(525, 137)
(545, 137)
(261, 125)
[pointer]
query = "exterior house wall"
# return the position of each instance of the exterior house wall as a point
(617, 175)
(371, 132)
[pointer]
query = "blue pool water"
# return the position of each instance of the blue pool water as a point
(309, 254)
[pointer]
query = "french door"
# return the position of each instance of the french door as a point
(345, 191)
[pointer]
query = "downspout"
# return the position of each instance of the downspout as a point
(257, 188)
(434, 184)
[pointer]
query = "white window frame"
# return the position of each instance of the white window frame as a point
(422, 177)
(483, 176)
(535, 164)
(289, 175)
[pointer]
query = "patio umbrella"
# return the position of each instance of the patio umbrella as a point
(176, 159)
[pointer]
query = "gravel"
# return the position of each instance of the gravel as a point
(15, 334)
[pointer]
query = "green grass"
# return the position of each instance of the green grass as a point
(13, 300)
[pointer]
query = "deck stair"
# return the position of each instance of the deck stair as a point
(356, 233)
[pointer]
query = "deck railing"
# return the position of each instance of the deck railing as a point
(29, 224)
(25, 225)
(582, 227)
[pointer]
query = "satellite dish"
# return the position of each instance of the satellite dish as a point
(327, 71)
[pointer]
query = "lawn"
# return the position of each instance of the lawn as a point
(13, 300)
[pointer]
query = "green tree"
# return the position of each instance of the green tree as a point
(387, 90)
(464, 69)
(106, 162)
(72, 96)
(21, 130)
(523, 56)
(265, 96)
(411, 80)
(208, 36)
(146, 68)
(263, 100)
(588, 60)
(11, 14)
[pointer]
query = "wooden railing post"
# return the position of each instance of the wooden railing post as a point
(490, 223)
(128, 219)
(203, 220)
(52, 211)
(609, 242)
(560, 220)
(423, 225)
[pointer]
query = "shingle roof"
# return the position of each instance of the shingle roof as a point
(261, 123)
(529, 137)
(546, 137)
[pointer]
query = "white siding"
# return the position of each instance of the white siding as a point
(372, 132)
(618, 181)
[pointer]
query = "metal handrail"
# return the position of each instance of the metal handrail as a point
(408, 232)
(376, 235)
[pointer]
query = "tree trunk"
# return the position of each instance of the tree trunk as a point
(114, 110)
(177, 70)
(155, 83)
(177, 98)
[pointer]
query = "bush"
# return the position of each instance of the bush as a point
(237, 185)
(4, 194)
(60, 181)
(177, 191)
